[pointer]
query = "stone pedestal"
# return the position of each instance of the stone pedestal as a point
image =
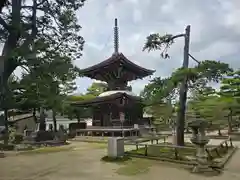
(199, 139)
(115, 147)
(202, 161)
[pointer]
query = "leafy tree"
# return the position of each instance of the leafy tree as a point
(97, 88)
(36, 29)
(158, 96)
(51, 82)
(231, 86)
(202, 74)
(230, 93)
(159, 90)
(163, 43)
(78, 112)
(162, 114)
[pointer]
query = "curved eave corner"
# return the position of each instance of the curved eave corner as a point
(127, 61)
(112, 59)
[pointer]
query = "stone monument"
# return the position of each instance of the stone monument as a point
(200, 139)
(115, 147)
(61, 134)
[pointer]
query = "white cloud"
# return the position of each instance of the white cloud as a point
(214, 32)
(137, 15)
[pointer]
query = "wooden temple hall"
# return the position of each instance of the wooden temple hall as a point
(117, 110)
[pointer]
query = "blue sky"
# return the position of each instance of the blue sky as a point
(215, 32)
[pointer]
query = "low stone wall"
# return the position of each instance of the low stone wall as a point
(19, 117)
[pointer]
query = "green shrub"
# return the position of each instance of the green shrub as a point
(7, 147)
(18, 138)
(116, 159)
(71, 134)
(44, 136)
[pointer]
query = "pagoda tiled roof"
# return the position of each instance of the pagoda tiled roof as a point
(118, 59)
(105, 99)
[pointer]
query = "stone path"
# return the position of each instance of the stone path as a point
(233, 166)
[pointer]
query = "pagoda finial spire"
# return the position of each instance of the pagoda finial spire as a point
(116, 37)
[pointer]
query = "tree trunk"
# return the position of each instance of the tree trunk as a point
(219, 132)
(78, 118)
(42, 123)
(6, 136)
(54, 120)
(181, 119)
(4, 75)
(230, 122)
(34, 114)
(183, 93)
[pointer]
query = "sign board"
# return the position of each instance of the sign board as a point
(122, 116)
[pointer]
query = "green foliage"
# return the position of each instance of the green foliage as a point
(231, 86)
(219, 110)
(204, 100)
(83, 112)
(162, 114)
(116, 160)
(230, 93)
(77, 112)
(6, 147)
(40, 35)
(158, 42)
(159, 90)
(200, 75)
(14, 137)
(43, 37)
(210, 108)
(97, 88)
(158, 95)
(39, 24)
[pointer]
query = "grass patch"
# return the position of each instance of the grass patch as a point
(116, 160)
(6, 147)
(166, 152)
(46, 150)
(134, 167)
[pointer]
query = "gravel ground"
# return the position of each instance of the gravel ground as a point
(83, 163)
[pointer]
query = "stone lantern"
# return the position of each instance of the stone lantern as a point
(199, 139)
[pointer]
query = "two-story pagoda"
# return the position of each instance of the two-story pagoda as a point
(117, 106)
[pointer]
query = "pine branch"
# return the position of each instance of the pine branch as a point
(4, 24)
(2, 4)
